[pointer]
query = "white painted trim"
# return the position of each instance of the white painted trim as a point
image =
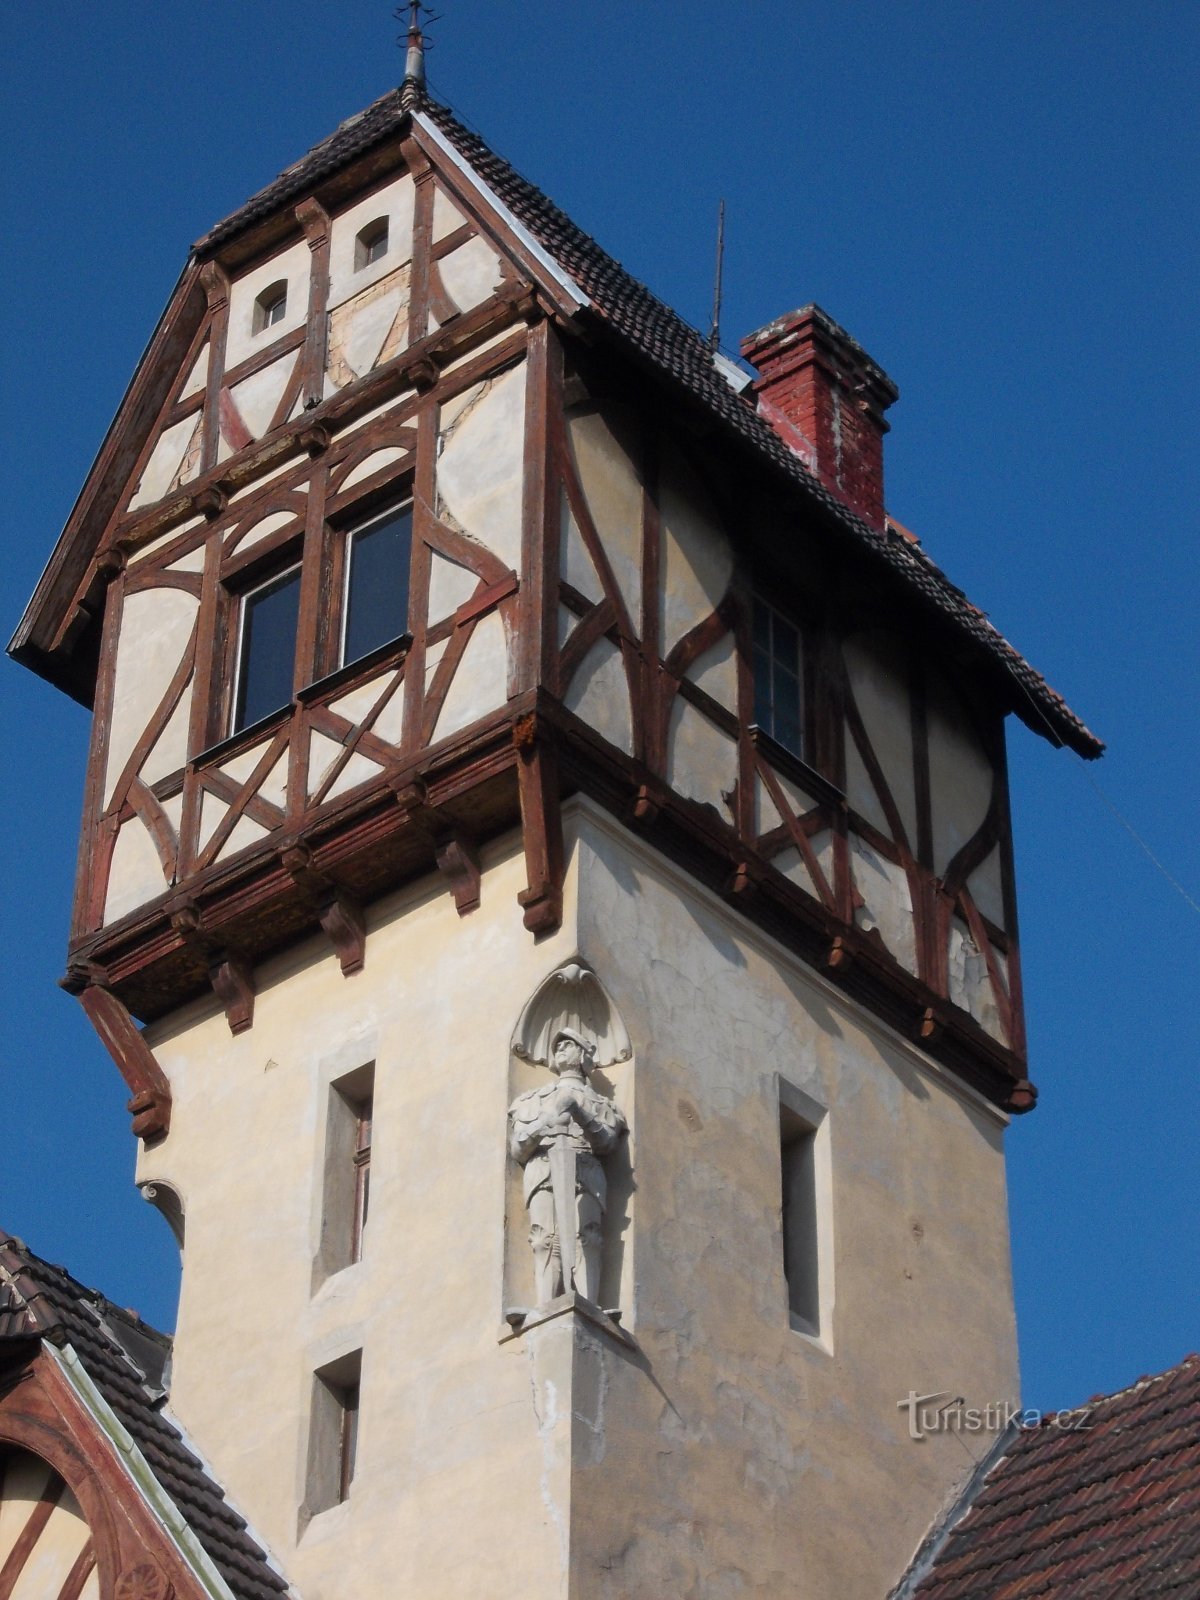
(140, 1474)
(776, 952)
(526, 239)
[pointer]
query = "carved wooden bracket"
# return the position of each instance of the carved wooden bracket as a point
(231, 978)
(210, 501)
(459, 864)
(929, 1026)
(646, 806)
(424, 374)
(314, 439)
(839, 956)
(1022, 1097)
(150, 1102)
(453, 850)
(746, 879)
(340, 915)
(541, 826)
(233, 985)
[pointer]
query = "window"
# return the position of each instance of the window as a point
(362, 1176)
(805, 1202)
(375, 608)
(371, 244)
(266, 652)
(333, 1432)
(778, 677)
(270, 307)
(346, 1177)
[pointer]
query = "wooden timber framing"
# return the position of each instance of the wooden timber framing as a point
(285, 859)
(127, 1553)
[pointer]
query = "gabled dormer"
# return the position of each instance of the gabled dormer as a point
(419, 515)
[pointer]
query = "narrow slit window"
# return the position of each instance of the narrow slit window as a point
(346, 1175)
(376, 601)
(270, 307)
(371, 244)
(805, 1200)
(266, 655)
(361, 1166)
(333, 1432)
(778, 677)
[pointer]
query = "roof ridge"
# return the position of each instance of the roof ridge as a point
(1144, 1382)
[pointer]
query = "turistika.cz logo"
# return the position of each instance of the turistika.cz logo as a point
(944, 1412)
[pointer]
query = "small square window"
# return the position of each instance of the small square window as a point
(375, 609)
(270, 307)
(371, 244)
(266, 653)
(778, 677)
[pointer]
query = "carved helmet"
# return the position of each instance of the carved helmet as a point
(586, 1045)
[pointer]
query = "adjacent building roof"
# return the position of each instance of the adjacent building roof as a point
(1102, 1503)
(126, 1359)
(660, 339)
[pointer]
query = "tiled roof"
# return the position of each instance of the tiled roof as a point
(1102, 1503)
(126, 1358)
(660, 338)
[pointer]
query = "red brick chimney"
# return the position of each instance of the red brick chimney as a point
(825, 397)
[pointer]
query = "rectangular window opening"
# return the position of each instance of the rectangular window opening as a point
(375, 604)
(805, 1244)
(778, 677)
(266, 653)
(346, 1177)
(333, 1432)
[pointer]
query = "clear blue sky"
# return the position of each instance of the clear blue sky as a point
(998, 201)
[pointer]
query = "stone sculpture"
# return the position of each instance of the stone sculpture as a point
(560, 1134)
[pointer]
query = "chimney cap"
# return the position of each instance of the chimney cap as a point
(810, 331)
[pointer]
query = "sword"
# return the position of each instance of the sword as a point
(562, 1185)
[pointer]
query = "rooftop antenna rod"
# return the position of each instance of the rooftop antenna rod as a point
(414, 60)
(714, 335)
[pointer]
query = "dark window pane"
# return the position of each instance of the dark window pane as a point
(377, 584)
(776, 659)
(268, 649)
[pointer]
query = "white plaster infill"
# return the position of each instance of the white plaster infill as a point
(773, 951)
(523, 235)
(138, 1470)
(518, 1321)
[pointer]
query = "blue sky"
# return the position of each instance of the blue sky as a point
(999, 202)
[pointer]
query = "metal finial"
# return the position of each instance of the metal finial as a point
(414, 40)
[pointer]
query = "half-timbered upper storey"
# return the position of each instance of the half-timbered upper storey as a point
(420, 514)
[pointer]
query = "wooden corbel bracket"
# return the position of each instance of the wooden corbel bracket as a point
(839, 957)
(1022, 1097)
(930, 1026)
(314, 439)
(150, 1093)
(339, 914)
(646, 807)
(458, 863)
(453, 850)
(541, 826)
(211, 501)
(745, 879)
(232, 978)
(423, 374)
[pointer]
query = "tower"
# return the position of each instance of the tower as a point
(474, 657)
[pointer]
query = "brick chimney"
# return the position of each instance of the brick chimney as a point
(825, 397)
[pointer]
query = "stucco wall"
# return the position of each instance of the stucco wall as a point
(729, 1455)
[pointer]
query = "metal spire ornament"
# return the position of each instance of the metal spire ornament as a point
(413, 85)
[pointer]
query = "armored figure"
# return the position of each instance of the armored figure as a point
(559, 1132)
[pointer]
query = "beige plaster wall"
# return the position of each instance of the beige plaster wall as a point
(763, 1462)
(728, 1455)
